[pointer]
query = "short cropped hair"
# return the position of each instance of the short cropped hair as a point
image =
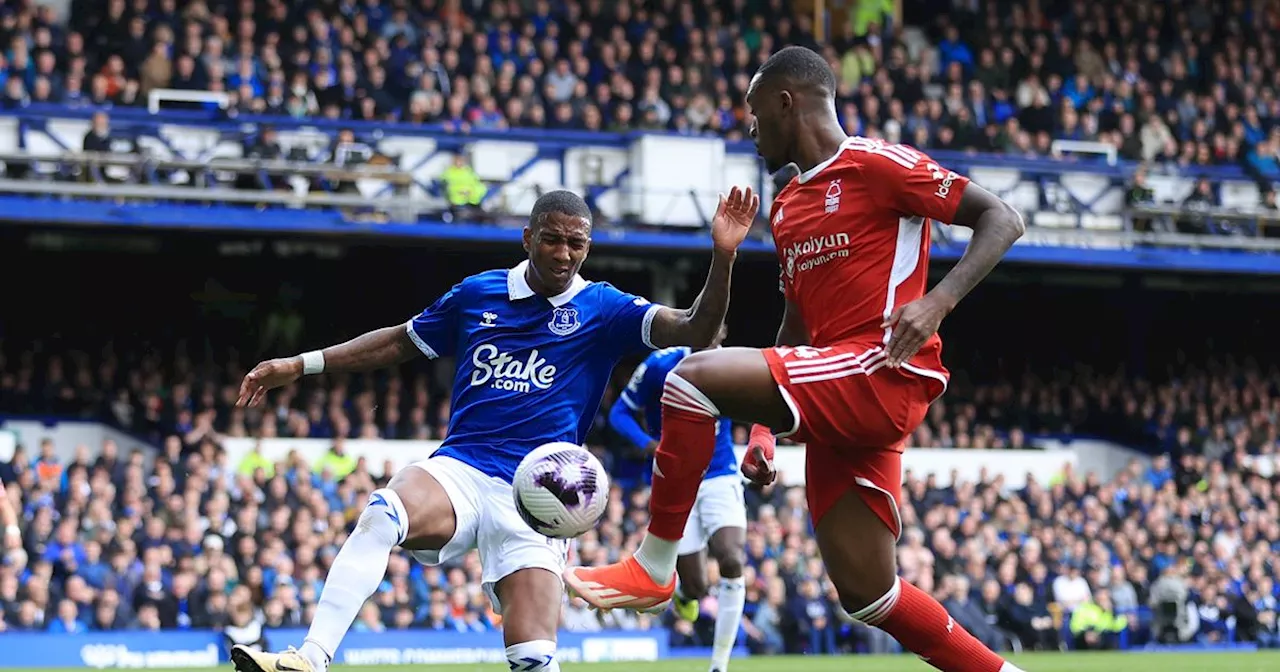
(799, 65)
(562, 202)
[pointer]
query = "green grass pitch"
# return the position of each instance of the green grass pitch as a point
(1076, 662)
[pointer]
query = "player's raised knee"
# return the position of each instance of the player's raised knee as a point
(385, 515)
(535, 656)
(683, 390)
(697, 367)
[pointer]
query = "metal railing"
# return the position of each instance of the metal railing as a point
(1163, 231)
(145, 162)
(97, 175)
(84, 175)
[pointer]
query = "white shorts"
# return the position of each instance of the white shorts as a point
(485, 510)
(719, 505)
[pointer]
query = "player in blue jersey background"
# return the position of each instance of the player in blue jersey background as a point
(718, 522)
(535, 346)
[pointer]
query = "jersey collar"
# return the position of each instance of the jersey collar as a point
(813, 172)
(518, 288)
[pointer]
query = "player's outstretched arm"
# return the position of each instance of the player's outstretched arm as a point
(996, 226)
(698, 325)
(376, 349)
(623, 421)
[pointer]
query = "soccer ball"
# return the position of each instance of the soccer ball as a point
(561, 490)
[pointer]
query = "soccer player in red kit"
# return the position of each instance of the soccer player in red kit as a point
(856, 366)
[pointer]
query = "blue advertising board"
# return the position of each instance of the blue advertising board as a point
(111, 650)
(137, 650)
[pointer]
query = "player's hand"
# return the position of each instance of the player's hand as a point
(733, 219)
(912, 325)
(268, 375)
(757, 464)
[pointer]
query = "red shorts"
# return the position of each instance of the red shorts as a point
(854, 415)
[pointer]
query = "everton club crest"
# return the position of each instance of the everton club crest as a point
(564, 321)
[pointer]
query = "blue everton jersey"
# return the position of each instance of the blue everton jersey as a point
(531, 369)
(643, 395)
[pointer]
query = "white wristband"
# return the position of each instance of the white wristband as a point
(312, 362)
(12, 531)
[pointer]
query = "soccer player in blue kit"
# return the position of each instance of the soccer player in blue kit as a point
(718, 523)
(535, 346)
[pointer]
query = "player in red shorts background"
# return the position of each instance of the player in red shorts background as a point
(857, 362)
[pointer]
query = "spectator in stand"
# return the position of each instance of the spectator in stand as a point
(1071, 589)
(1027, 618)
(1095, 626)
(463, 187)
(68, 620)
(969, 613)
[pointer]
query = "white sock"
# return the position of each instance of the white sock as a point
(355, 575)
(1010, 667)
(536, 656)
(658, 557)
(732, 597)
(318, 657)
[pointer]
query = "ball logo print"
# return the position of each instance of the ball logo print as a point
(560, 490)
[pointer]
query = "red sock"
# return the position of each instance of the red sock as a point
(684, 453)
(923, 627)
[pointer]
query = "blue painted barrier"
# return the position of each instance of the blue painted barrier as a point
(105, 650)
(34, 210)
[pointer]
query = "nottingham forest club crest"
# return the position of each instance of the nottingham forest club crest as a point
(564, 321)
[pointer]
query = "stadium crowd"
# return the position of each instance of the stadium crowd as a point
(1231, 414)
(1181, 550)
(1185, 82)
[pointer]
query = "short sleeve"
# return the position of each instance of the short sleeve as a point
(630, 320)
(910, 182)
(435, 330)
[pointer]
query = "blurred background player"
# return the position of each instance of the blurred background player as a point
(718, 524)
(535, 347)
(9, 520)
(857, 362)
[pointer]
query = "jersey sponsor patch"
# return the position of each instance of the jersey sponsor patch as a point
(816, 251)
(502, 371)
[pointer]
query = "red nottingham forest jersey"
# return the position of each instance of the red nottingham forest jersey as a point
(852, 235)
